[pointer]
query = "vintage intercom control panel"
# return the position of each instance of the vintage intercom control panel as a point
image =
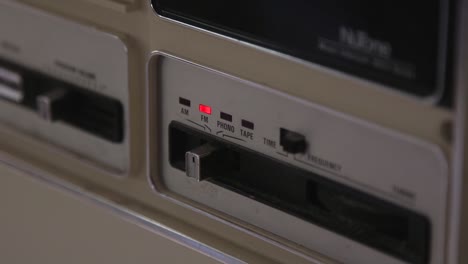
(65, 84)
(271, 160)
(239, 131)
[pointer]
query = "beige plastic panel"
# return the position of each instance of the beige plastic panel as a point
(316, 84)
(41, 224)
(405, 163)
(116, 5)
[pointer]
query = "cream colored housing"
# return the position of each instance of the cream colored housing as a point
(68, 200)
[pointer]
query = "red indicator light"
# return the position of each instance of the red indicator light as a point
(205, 109)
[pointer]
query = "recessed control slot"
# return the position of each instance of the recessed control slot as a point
(56, 100)
(341, 209)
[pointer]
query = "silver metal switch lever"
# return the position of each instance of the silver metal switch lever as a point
(196, 159)
(11, 85)
(48, 105)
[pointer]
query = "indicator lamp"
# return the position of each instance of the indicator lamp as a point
(205, 109)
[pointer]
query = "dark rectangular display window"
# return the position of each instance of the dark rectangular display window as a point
(401, 44)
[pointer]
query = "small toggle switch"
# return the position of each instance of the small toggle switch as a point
(292, 142)
(51, 104)
(198, 160)
(11, 85)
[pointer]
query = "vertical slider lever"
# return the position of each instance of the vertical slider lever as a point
(51, 104)
(200, 161)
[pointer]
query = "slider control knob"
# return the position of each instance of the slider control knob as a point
(200, 161)
(51, 104)
(292, 142)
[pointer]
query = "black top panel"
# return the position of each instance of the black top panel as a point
(393, 42)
